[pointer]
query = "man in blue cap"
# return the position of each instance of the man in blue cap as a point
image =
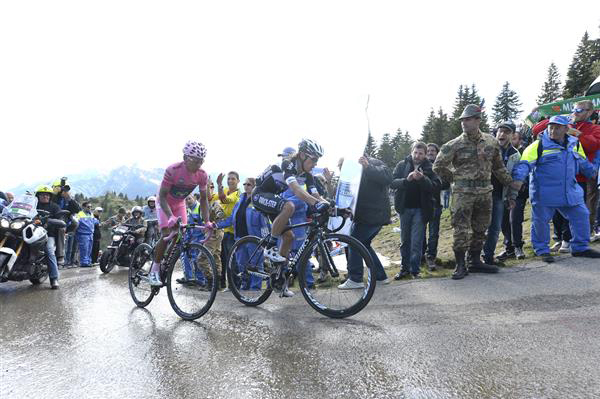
(554, 160)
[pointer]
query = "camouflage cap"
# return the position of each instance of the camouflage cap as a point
(471, 110)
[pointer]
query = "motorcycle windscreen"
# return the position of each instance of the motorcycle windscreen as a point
(23, 206)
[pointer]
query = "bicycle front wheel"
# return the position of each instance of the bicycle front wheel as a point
(192, 282)
(140, 289)
(332, 255)
(249, 272)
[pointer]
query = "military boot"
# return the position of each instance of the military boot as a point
(477, 266)
(461, 270)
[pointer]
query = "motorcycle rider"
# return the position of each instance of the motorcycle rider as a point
(137, 219)
(119, 218)
(151, 218)
(150, 208)
(44, 195)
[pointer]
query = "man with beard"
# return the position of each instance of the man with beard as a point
(415, 184)
(501, 202)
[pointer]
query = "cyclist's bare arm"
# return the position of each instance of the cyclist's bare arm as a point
(162, 200)
(204, 206)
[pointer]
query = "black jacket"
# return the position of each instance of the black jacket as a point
(53, 209)
(429, 185)
(373, 207)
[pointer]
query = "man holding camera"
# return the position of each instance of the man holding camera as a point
(62, 198)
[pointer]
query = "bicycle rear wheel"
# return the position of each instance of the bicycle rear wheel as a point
(249, 272)
(192, 282)
(139, 288)
(324, 296)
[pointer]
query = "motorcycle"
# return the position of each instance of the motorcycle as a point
(120, 250)
(23, 238)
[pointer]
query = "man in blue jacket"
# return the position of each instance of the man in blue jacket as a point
(85, 233)
(553, 187)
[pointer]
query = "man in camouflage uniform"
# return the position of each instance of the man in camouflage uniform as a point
(468, 162)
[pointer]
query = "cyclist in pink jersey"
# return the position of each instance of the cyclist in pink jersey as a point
(179, 181)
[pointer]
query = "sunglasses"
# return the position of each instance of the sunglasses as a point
(580, 110)
(248, 184)
(194, 159)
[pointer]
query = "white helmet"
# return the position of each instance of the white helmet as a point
(33, 234)
(151, 198)
(137, 208)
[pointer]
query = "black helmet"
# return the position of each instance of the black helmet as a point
(310, 148)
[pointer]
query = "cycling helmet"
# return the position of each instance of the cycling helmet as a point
(137, 208)
(33, 234)
(44, 189)
(151, 198)
(310, 148)
(194, 149)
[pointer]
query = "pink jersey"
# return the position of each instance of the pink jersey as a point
(181, 183)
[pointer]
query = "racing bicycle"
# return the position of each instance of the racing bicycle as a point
(253, 277)
(188, 270)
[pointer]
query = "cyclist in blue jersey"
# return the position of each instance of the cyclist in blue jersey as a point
(293, 173)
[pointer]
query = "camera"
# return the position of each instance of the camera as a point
(63, 184)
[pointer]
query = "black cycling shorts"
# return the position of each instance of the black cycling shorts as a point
(268, 203)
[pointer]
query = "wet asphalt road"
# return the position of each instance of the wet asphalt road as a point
(530, 332)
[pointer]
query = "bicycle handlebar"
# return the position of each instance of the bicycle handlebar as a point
(208, 231)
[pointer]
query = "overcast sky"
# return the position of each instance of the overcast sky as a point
(95, 85)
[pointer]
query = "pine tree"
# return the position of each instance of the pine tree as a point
(580, 75)
(551, 89)
(386, 152)
(427, 133)
(476, 99)
(396, 145)
(404, 146)
(371, 146)
(507, 104)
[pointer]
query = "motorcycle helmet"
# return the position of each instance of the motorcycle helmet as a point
(44, 189)
(136, 208)
(151, 198)
(311, 148)
(33, 234)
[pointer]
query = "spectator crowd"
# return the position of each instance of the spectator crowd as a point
(485, 179)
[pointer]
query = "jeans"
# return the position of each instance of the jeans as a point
(192, 271)
(512, 225)
(493, 232)
(561, 227)
(365, 234)
(70, 249)
(430, 245)
(226, 245)
(411, 224)
(60, 242)
(446, 198)
(51, 256)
